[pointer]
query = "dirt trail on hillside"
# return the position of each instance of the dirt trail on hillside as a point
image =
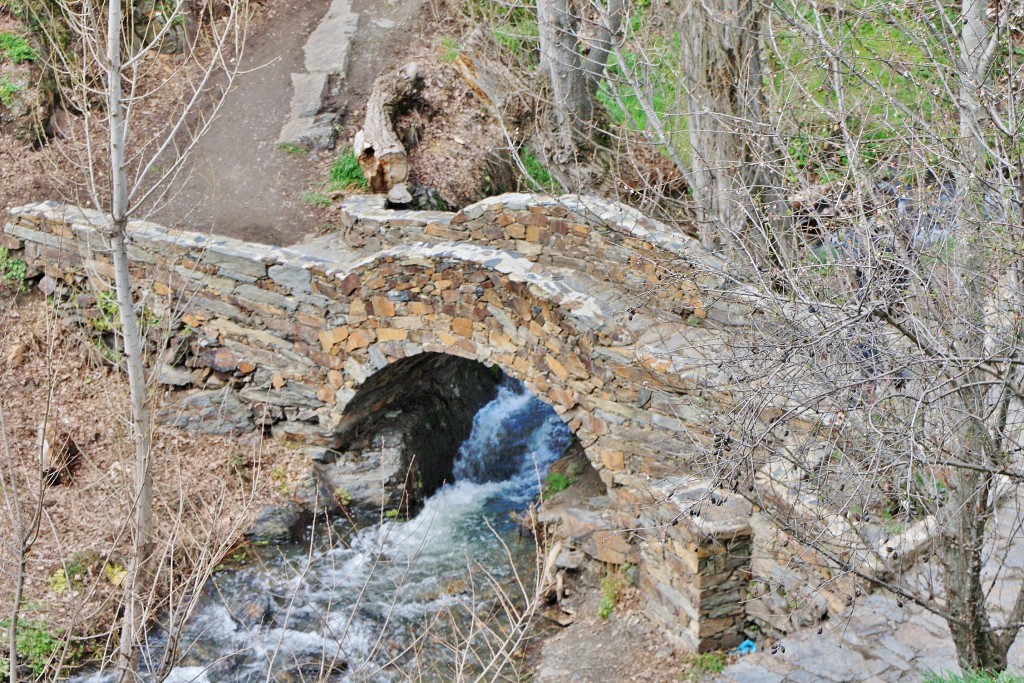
(239, 183)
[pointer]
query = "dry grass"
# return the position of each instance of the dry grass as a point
(207, 488)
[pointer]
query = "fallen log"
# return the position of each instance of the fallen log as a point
(380, 152)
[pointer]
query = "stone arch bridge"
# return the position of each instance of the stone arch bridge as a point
(600, 311)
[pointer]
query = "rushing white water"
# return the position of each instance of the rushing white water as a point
(386, 603)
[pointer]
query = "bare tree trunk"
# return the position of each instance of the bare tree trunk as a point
(722, 67)
(574, 79)
(489, 69)
(133, 620)
(978, 646)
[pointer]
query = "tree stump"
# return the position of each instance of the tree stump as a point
(377, 147)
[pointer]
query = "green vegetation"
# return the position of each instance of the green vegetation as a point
(294, 150)
(66, 577)
(449, 50)
(611, 589)
(700, 666)
(13, 271)
(15, 49)
(346, 173)
(891, 79)
(37, 647)
(556, 483)
(512, 25)
(280, 479)
(114, 573)
(343, 496)
(318, 199)
(392, 514)
(7, 91)
(109, 319)
(972, 677)
(537, 174)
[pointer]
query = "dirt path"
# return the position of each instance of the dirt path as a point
(241, 184)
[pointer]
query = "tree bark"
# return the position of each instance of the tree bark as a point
(381, 155)
(574, 71)
(722, 69)
(133, 620)
(489, 69)
(978, 646)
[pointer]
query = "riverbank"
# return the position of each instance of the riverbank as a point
(208, 488)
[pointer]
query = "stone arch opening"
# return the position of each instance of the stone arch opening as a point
(399, 437)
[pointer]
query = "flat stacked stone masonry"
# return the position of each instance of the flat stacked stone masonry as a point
(619, 326)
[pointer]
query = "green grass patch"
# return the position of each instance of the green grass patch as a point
(318, 199)
(700, 666)
(345, 172)
(15, 49)
(449, 50)
(537, 175)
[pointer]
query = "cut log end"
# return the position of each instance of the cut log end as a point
(377, 147)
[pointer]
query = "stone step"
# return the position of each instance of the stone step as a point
(326, 55)
(308, 92)
(328, 45)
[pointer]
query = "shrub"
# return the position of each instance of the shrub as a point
(35, 644)
(15, 49)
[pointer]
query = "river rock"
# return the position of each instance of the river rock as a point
(315, 494)
(258, 610)
(278, 524)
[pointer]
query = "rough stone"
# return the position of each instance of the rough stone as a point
(293, 278)
(210, 412)
(308, 92)
(278, 524)
(173, 375)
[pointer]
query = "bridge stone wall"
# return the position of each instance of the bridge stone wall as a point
(605, 317)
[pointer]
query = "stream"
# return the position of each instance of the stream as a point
(398, 600)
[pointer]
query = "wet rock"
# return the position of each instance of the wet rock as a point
(277, 524)
(315, 494)
(257, 610)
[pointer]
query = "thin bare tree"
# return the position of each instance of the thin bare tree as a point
(110, 72)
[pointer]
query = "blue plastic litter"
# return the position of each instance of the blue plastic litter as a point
(746, 647)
